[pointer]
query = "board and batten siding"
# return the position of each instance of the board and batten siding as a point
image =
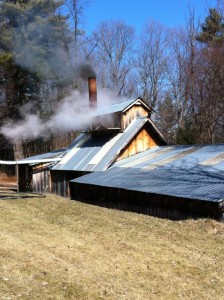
(131, 114)
(60, 181)
(41, 180)
(162, 206)
(141, 142)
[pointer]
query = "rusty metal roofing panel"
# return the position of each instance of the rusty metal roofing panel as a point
(142, 158)
(183, 175)
(184, 157)
(172, 158)
(213, 160)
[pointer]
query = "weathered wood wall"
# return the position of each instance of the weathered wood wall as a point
(34, 179)
(151, 204)
(141, 142)
(41, 180)
(122, 120)
(133, 113)
(60, 181)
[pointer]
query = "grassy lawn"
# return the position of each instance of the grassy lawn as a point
(53, 248)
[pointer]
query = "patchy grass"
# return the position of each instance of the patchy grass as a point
(53, 248)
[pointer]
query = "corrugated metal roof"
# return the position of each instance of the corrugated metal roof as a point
(123, 140)
(30, 162)
(177, 171)
(214, 160)
(79, 157)
(52, 154)
(119, 107)
(97, 152)
(184, 157)
(49, 157)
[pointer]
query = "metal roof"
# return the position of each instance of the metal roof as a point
(120, 107)
(195, 172)
(80, 156)
(181, 157)
(53, 156)
(97, 152)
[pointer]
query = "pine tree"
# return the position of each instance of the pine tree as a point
(34, 38)
(212, 28)
(209, 85)
(166, 118)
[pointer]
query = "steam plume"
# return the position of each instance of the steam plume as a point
(72, 114)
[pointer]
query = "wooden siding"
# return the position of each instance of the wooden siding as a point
(141, 142)
(60, 181)
(122, 119)
(151, 204)
(41, 181)
(34, 179)
(131, 114)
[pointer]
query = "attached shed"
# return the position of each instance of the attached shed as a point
(175, 182)
(34, 172)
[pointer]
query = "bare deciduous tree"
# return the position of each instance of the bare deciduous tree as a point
(177, 72)
(114, 40)
(151, 62)
(76, 10)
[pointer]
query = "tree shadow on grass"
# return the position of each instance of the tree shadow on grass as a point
(7, 194)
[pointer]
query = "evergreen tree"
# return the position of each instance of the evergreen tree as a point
(166, 118)
(34, 39)
(209, 81)
(212, 30)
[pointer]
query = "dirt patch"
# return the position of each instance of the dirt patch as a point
(8, 181)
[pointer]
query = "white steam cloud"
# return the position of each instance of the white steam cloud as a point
(72, 114)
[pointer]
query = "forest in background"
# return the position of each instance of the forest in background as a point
(179, 72)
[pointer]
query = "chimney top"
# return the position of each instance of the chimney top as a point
(92, 92)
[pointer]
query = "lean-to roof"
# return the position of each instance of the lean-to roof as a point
(195, 172)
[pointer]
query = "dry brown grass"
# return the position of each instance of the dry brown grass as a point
(52, 248)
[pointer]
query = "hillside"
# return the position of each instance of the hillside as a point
(52, 248)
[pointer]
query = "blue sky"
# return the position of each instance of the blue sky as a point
(171, 13)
